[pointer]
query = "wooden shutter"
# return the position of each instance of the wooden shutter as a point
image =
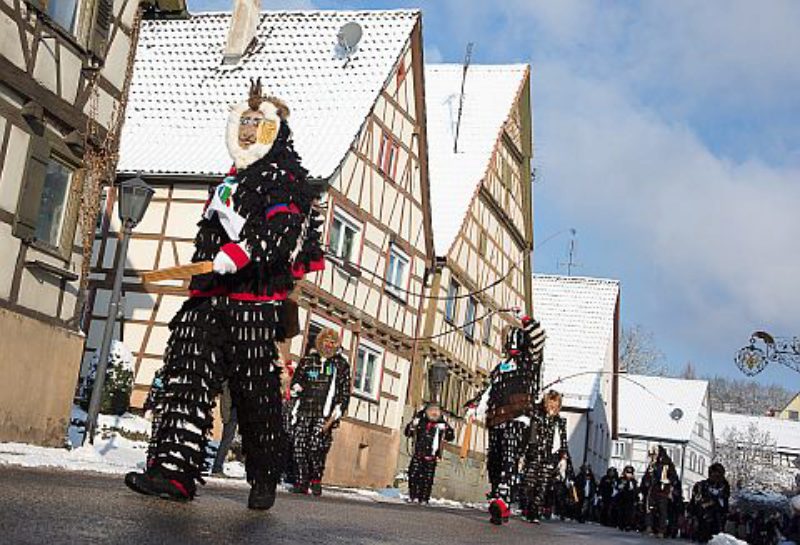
(70, 220)
(30, 194)
(41, 5)
(101, 27)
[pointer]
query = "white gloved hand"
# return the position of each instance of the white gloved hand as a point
(415, 422)
(441, 426)
(223, 264)
(471, 413)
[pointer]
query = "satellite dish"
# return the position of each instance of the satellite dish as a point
(349, 36)
(676, 414)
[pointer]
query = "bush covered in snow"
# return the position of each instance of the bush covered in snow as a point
(119, 381)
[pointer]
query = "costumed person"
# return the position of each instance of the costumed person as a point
(627, 499)
(586, 486)
(261, 232)
(508, 405)
(657, 486)
(608, 489)
(151, 406)
(709, 503)
(229, 424)
(430, 431)
(321, 393)
(546, 460)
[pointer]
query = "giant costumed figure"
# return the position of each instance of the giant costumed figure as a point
(507, 405)
(261, 233)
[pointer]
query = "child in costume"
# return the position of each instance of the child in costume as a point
(544, 458)
(321, 393)
(508, 405)
(261, 232)
(430, 431)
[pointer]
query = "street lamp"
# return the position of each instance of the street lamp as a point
(437, 374)
(134, 197)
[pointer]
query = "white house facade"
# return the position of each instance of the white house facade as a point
(581, 319)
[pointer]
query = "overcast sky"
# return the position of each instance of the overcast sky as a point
(668, 135)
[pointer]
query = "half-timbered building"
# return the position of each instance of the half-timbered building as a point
(357, 114)
(63, 71)
(479, 149)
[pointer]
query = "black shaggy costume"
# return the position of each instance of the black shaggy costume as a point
(321, 391)
(542, 459)
(227, 330)
(429, 437)
(508, 403)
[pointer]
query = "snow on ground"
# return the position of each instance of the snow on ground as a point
(115, 453)
(725, 539)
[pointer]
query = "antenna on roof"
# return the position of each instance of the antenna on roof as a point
(347, 39)
(571, 264)
(467, 60)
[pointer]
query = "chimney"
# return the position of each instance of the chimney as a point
(244, 22)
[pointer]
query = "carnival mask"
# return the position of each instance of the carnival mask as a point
(328, 343)
(253, 126)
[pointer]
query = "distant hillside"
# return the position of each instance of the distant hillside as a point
(744, 396)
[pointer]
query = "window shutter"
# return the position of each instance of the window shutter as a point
(30, 194)
(98, 36)
(71, 216)
(38, 4)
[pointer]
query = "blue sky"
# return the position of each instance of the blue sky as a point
(668, 135)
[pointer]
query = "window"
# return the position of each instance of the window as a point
(47, 207)
(692, 461)
(482, 242)
(344, 237)
(314, 330)
(101, 210)
(701, 466)
(487, 330)
(619, 449)
(397, 272)
(794, 415)
(63, 12)
(53, 203)
(401, 72)
(469, 318)
(387, 157)
(368, 371)
(451, 303)
(700, 429)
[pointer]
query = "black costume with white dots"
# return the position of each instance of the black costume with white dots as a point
(429, 438)
(542, 458)
(508, 403)
(321, 391)
(228, 329)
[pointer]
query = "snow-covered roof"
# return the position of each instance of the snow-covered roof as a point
(646, 403)
(489, 95)
(784, 433)
(180, 91)
(578, 315)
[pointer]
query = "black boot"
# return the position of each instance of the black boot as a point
(153, 483)
(262, 495)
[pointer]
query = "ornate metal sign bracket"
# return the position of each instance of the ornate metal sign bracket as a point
(764, 349)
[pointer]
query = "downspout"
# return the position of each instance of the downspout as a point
(586, 441)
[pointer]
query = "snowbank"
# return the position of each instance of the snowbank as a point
(726, 539)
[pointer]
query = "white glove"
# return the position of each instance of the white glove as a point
(223, 264)
(441, 426)
(471, 413)
(415, 422)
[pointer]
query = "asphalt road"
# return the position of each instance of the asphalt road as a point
(51, 507)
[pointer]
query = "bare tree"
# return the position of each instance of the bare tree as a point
(689, 372)
(638, 353)
(751, 460)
